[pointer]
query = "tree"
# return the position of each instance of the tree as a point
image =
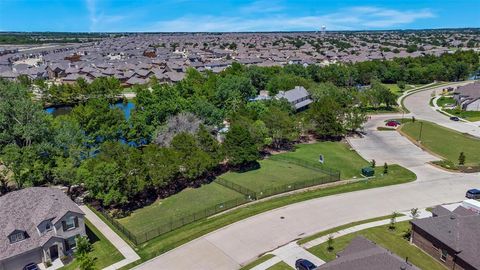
(83, 245)
(414, 212)
(239, 146)
(461, 159)
(209, 144)
(162, 164)
(233, 90)
(281, 127)
(193, 161)
(182, 122)
(330, 243)
(87, 262)
(3, 181)
(393, 221)
(326, 117)
(401, 85)
(385, 168)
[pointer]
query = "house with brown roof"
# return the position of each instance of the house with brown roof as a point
(37, 224)
(468, 96)
(451, 237)
(363, 254)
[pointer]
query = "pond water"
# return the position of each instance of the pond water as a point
(62, 110)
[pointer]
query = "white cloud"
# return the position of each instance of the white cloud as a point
(99, 21)
(347, 19)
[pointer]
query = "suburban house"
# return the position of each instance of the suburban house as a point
(37, 224)
(468, 96)
(452, 237)
(298, 97)
(363, 254)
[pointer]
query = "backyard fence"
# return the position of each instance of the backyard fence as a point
(169, 225)
(160, 228)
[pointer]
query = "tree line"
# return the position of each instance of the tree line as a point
(178, 135)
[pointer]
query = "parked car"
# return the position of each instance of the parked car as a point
(392, 123)
(302, 264)
(30, 266)
(473, 194)
(454, 118)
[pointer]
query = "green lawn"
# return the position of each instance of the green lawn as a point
(104, 252)
(445, 142)
(280, 266)
(393, 87)
(275, 172)
(468, 115)
(271, 174)
(188, 201)
(342, 227)
(391, 240)
(443, 101)
(257, 262)
(337, 156)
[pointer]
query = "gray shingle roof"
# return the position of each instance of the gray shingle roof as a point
(25, 210)
(459, 230)
(362, 254)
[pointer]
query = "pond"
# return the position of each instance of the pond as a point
(62, 110)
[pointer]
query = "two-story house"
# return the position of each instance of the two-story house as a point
(298, 97)
(37, 224)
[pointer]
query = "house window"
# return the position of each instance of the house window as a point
(443, 256)
(70, 243)
(70, 223)
(17, 237)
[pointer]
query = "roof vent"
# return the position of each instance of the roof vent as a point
(453, 217)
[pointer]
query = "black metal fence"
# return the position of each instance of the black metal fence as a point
(172, 223)
(238, 188)
(328, 176)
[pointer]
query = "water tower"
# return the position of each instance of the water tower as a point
(324, 28)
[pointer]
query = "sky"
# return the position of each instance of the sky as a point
(234, 15)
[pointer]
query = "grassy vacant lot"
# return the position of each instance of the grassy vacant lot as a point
(280, 266)
(391, 240)
(104, 252)
(337, 156)
(274, 172)
(188, 201)
(271, 174)
(445, 142)
(168, 241)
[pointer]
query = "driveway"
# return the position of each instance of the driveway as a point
(418, 105)
(241, 242)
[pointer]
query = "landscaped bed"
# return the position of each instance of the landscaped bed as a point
(392, 240)
(444, 142)
(188, 201)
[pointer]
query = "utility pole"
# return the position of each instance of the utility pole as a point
(420, 135)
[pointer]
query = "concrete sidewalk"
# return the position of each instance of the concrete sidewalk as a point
(127, 251)
(422, 213)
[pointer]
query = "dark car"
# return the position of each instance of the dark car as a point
(30, 266)
(302, 264)
(392, 124)
(473, 194)
(454, 118)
